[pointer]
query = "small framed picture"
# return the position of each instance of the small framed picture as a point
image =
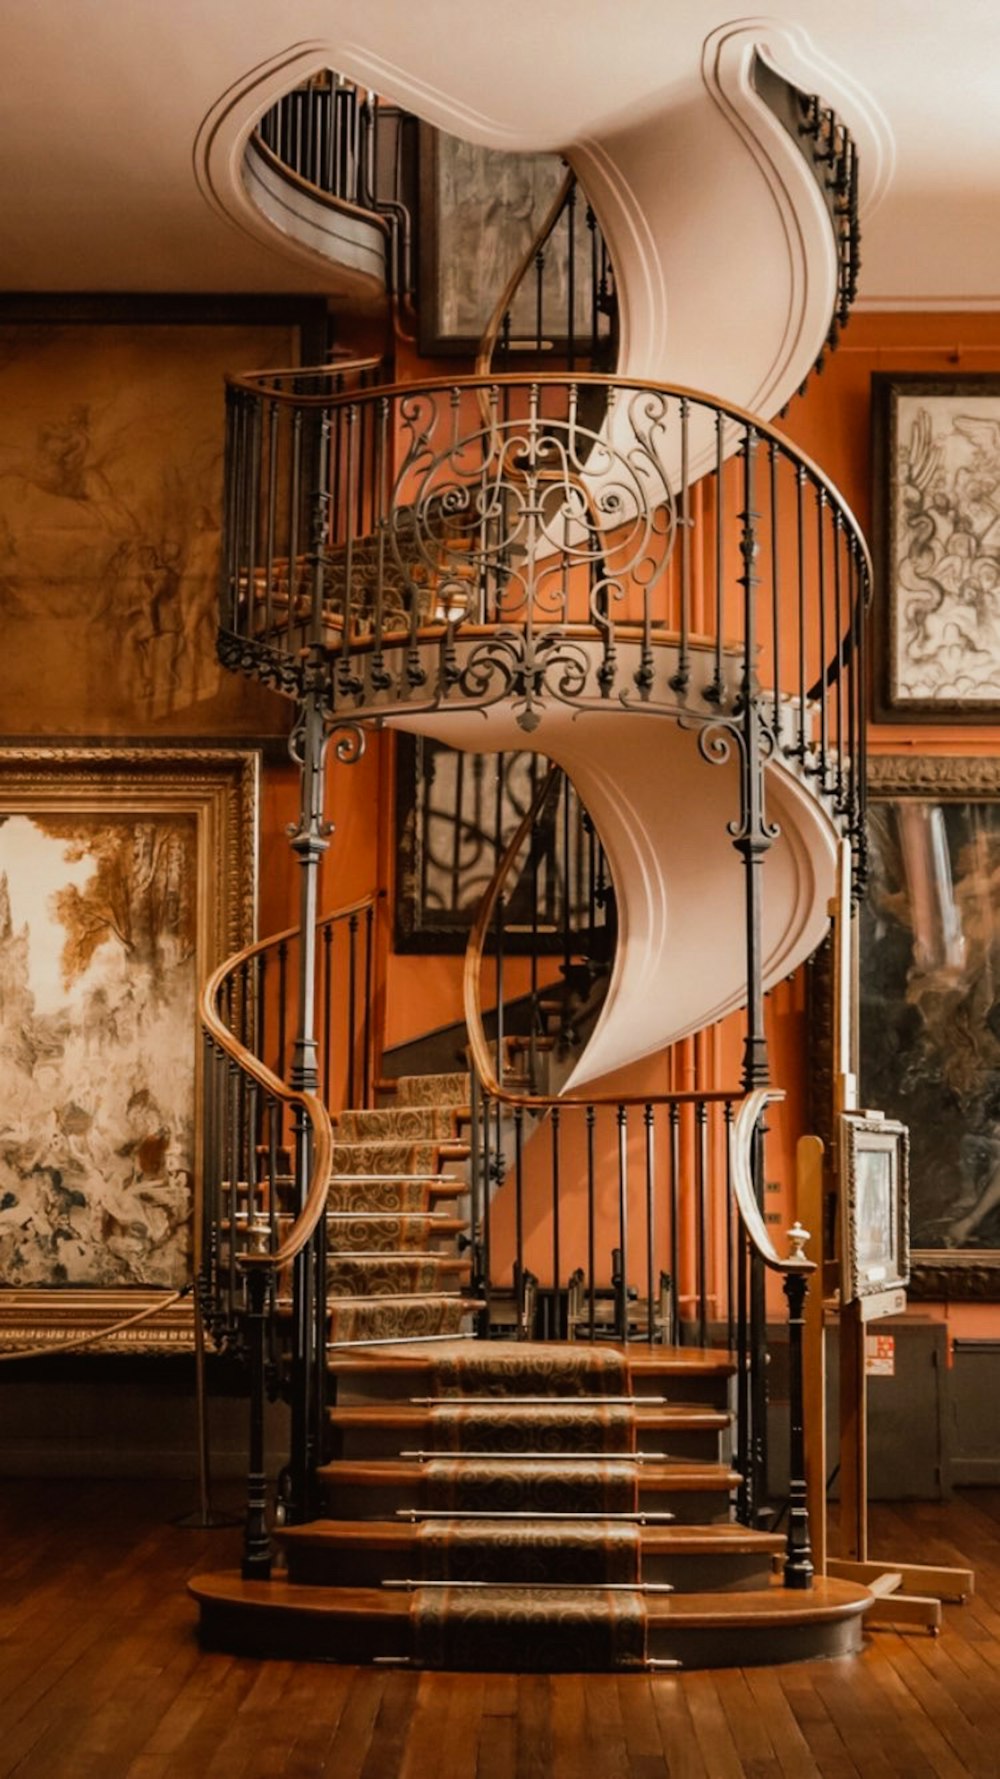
(875, 1201)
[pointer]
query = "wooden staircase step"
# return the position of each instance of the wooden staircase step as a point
(755, 1627)
(682, 1374)
(365, 1553)
(693, 1493)
(688, 1431)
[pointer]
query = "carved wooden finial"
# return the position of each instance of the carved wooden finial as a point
(798, 1238)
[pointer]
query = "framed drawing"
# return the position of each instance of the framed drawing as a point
(124, 878)
(479, 210)
(875, 1200)
(930, 1006)
(936, 449)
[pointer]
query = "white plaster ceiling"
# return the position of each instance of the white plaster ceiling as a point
(102, 103)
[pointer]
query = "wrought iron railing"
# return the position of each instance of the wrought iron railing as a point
(352, 148)
(832, 154)
(268, 1156)
(673, 1256)
(477, 540)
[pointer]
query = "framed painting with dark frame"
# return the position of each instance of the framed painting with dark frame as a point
(929, 945)
(479, 210)
(875, 1204)
(936, 534)
(124, 878)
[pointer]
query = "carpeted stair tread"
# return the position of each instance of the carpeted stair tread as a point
(405, 1473)
(646, 1364)
(538, 1629)
(404, 1232)
(452, 1089)
(369, 1275)
(395, 1157)
(414, 1195)
(410, 1417)
(403, 1536)
(400, 1124)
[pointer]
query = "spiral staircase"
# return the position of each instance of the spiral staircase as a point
(653, 588)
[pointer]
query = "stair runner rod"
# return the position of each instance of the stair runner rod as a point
(546, 1457)
(591, 1519)
(543, 1401)
(403, 1340)
(569, 1587)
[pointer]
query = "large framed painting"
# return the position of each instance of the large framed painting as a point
(930, 1006)
(111, 469)
(937, 547)
(125, 876)
(479, 211)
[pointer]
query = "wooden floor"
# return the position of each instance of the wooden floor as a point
(101, 1677)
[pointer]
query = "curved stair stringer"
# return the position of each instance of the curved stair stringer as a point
(700, 163)
(663, 813)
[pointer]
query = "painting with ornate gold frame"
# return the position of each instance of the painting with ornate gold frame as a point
(125, 876)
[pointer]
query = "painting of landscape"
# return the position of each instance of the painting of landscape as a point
(98, 962)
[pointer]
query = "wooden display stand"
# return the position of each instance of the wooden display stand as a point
(906, 1594)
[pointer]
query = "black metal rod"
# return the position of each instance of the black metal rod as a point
(701, 1217)
(675, 1224)
(621, 1118)
(650, 1160)
(590, 1116)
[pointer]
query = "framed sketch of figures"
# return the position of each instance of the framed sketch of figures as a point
(930, 1006)
(125, 877)
(937, 537)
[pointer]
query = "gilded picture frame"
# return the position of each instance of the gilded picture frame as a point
(936, 537)
(929, 948)
(875, 1205)
(125, 877)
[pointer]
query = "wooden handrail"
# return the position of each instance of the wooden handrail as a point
(472, 999)
(319, 1118)
(343, 206)
(740, 1148)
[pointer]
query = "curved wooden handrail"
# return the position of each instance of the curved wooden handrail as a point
(318, 1117)
(740, 1147)
(329, 200)
(472, 998)
(491, 332)
(255, 383)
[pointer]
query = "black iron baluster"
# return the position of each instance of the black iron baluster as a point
(327, 1015)
(621, 1312)
(558, 1329)
(256, 1564)
(679, 680)
(352, 996)
(369, 1019)
(800, 526)
(650, 1158)
(676, 1331)
(745, 1495)
(798, 1569)
(591, 1232)
(519, 1218)
(701, 1217)
(731, 1227)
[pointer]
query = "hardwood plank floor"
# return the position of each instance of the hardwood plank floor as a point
(101, 1676)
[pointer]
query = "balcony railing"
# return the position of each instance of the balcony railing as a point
(547, 541)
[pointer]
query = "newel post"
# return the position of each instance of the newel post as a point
(798, 1571)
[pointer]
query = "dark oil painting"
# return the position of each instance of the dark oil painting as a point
(930, 1008)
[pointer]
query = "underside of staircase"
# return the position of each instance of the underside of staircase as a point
(505, 1504)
